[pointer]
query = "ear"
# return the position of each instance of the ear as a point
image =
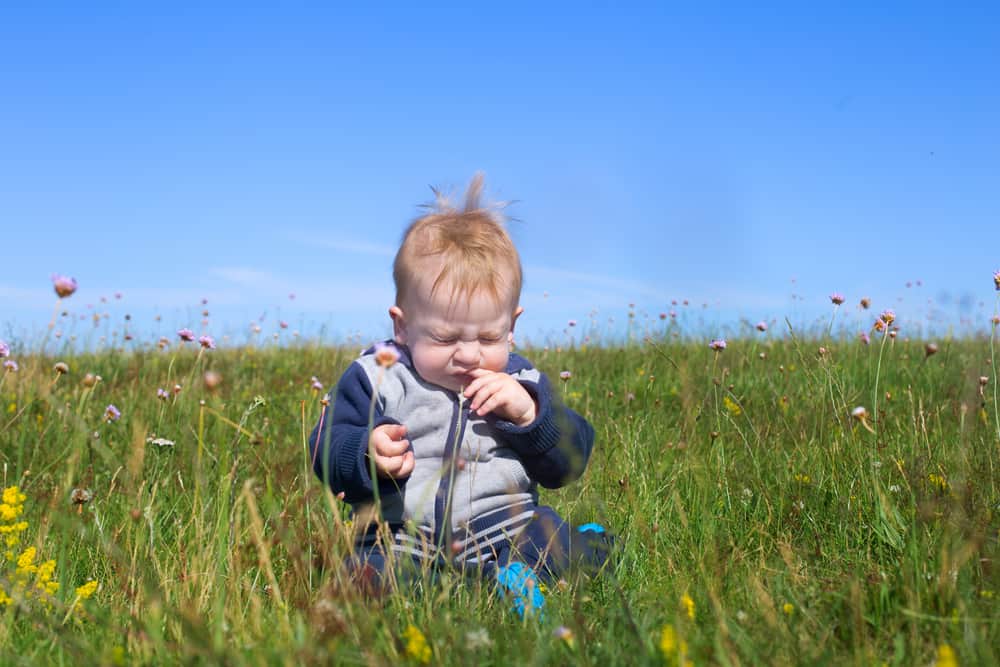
(513, 321)
(398, 324)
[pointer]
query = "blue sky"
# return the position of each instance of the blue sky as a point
(730, 156)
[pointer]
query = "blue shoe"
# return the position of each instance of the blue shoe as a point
(514, 578)
(590, 528)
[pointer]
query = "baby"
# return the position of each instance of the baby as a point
(463, 431)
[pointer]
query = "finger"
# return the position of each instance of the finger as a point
(479, 375)
(483, 392)
(387, 465)
(407, 465)
(493, 402)
(394, 431)
(391, 447)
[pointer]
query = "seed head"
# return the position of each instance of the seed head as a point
(859, 413)
(983, 380)
(81, 496)
(930, 348)
(837, 298)
(61, 367)
(212, 380)
(89, 380)
(63, 285)
(386, 354)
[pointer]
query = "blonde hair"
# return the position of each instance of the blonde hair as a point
(472, 244)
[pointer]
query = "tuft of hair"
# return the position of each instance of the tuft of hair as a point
(469, 246)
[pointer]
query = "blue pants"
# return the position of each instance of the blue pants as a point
(547, 544)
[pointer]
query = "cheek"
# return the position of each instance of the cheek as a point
(429, 358)
(495, 358)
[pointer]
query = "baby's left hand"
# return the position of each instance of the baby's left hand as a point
(501, 394)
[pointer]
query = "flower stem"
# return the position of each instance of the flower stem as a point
(993, 366)
(878, 370)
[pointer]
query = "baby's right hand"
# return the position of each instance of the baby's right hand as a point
(393, 456)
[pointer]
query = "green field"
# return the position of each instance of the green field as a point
(759, 522)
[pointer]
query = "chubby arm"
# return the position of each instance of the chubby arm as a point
(556, 445)
(339, 443)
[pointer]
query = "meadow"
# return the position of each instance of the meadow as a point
(787, 498)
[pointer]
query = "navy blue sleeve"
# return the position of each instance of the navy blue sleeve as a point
(339, 443)
(556, 446)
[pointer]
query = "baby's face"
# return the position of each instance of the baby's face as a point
(449, 340)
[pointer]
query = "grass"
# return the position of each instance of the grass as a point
(759, 523)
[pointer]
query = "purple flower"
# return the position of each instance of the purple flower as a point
(837, 298)
(283, 324)
(996, 279)
(565, 375)
(11, 366)
(207, 342)
(864, 337)
(162, 394)
(718, 345)
(4, 349)
(63, 285)
(572, 323)
(111, 413)
(888, 316)
(185, 334)
(762, 326)
(316, 384)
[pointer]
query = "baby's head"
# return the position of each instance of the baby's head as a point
(458, 283)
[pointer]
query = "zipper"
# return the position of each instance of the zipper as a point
(446, 488)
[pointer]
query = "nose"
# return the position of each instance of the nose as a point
(466, 354)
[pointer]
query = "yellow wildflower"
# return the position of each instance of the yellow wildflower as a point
(12, 408)
(803, 479)
(416, 644)
(25, 562)
(84, 592)
(946, 657)
(938, 482)
(731, 405)
(13, 496)
(688, 605)
(788, 608)
(668, 640)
